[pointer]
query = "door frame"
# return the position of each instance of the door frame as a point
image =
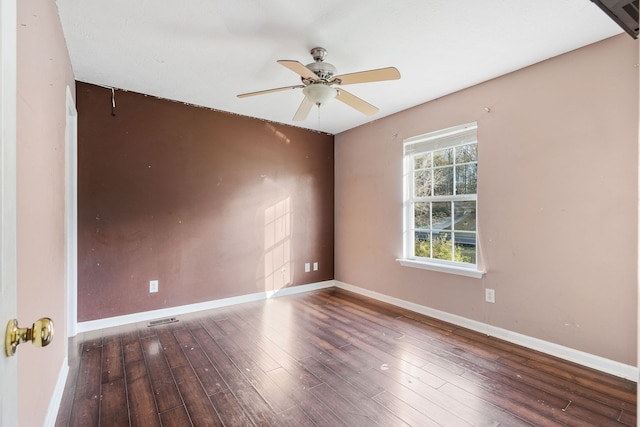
(8, 249)
(71, 148)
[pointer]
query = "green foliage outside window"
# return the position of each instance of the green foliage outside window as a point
(441, 170)
(441, 250)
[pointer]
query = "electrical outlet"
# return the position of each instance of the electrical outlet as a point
(307, 267)
(153, 286)
(315, 266)
(490, 295)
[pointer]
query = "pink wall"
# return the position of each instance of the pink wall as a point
(44, 71)
(557, 209)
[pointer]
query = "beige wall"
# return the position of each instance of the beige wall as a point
(44, 72)
(558, 188)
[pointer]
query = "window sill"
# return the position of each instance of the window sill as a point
(462, 271)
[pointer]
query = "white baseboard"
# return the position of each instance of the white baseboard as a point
(145, 316)
(585, 359)
(56, 397)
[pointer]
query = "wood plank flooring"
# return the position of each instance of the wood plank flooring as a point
(327, 358)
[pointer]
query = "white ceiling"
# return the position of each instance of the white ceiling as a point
(205, 52)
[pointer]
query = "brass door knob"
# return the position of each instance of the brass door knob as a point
(40, 334)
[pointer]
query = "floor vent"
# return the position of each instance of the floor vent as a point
(162, 321)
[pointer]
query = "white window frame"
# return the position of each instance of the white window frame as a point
(434, 141)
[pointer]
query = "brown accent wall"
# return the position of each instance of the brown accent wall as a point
(211, 204)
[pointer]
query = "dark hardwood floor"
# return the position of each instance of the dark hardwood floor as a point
(327, 358)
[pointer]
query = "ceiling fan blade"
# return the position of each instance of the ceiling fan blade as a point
(390, 73)
(262, 92)
(357, 103)
(303, 110)
(298, 68)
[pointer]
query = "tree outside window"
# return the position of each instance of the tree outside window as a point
(441, 170)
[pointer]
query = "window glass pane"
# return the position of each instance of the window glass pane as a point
(443, 157)
(467, 179)
(443, 181)
(422, 246)
(465, 247)
(467, 153)
(422, 161)
(442, 248)
(441, 213)
(422, 183)
(421, 215)
(464, 215)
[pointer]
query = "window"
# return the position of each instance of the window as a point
(441, 176)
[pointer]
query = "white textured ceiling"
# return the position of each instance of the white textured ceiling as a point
(205, 52)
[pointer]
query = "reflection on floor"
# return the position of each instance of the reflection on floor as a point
(327, 358)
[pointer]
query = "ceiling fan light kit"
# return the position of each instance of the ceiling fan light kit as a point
(319, 93)
(318, 79)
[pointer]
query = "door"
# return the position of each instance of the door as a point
(8, 294)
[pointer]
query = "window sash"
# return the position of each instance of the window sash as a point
(419, 145)
(439, 140)
(429, 230)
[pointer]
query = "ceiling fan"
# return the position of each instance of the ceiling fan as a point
(318, 79)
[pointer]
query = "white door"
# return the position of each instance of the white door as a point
(8, 297)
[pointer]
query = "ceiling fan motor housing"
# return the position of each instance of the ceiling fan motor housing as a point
(323, 70)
